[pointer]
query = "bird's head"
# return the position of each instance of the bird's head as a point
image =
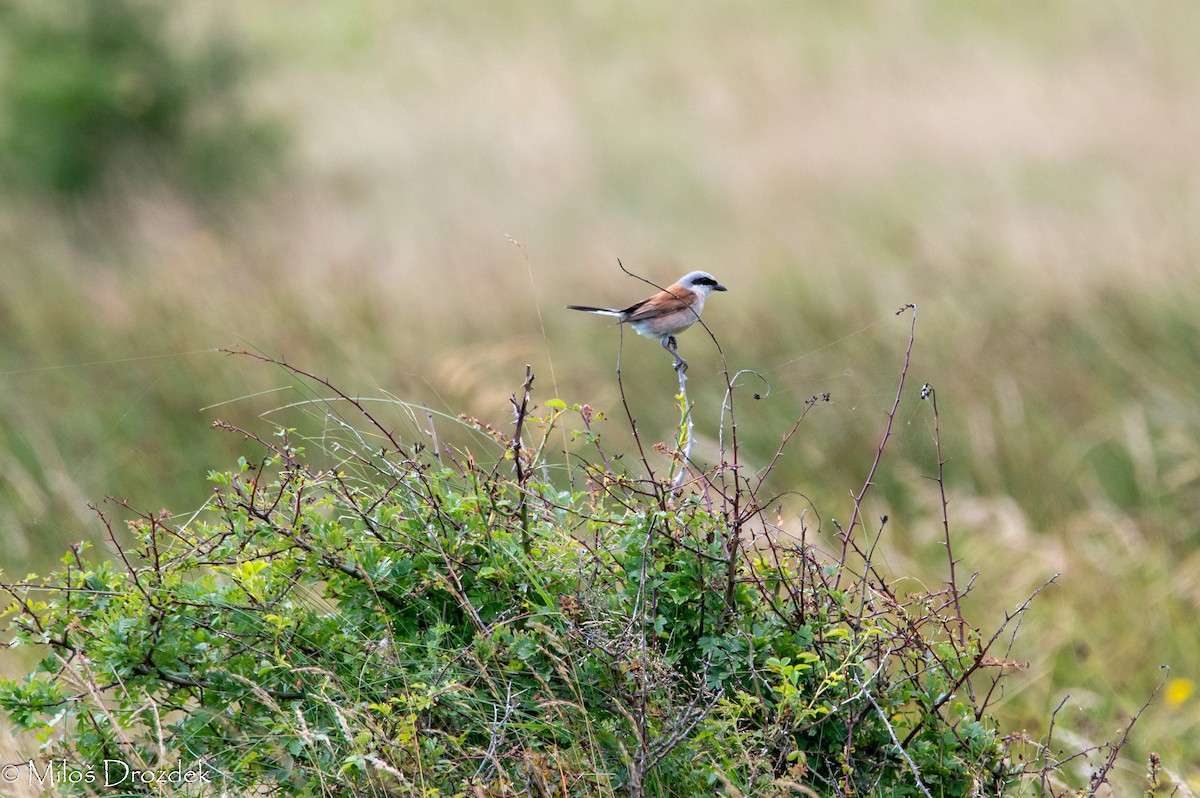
(702, 283)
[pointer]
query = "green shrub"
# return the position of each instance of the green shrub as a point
(88, 87)
(479, 621)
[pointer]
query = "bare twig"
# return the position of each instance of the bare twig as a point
(808, 405)
(887, 432)
(689, 718)
(978, 662)
(358, 405)
(927, 390)
(633, 430)
(1047, 767)
(1114, 749)
(912, 766)
(521, 411)
(437, 447)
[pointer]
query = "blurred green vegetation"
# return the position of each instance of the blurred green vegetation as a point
(1026, 174)
(89, 88)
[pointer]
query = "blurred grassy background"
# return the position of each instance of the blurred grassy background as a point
(1026, 173)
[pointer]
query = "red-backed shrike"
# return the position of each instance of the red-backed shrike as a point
(667, 313)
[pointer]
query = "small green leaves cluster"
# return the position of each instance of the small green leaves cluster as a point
(441, 623)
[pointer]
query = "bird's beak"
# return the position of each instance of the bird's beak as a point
(719, 287)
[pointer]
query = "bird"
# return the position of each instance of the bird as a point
(667, 313)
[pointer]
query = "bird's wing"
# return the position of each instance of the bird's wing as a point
(663, 303)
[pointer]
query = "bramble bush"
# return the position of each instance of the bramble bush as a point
(389, 617)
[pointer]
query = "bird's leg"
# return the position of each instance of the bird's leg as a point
(671, 345)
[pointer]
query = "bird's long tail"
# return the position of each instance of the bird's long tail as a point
(601, 311)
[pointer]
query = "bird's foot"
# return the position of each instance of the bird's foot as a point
(671, 345)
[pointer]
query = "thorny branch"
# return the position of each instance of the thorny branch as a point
(887, 433)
